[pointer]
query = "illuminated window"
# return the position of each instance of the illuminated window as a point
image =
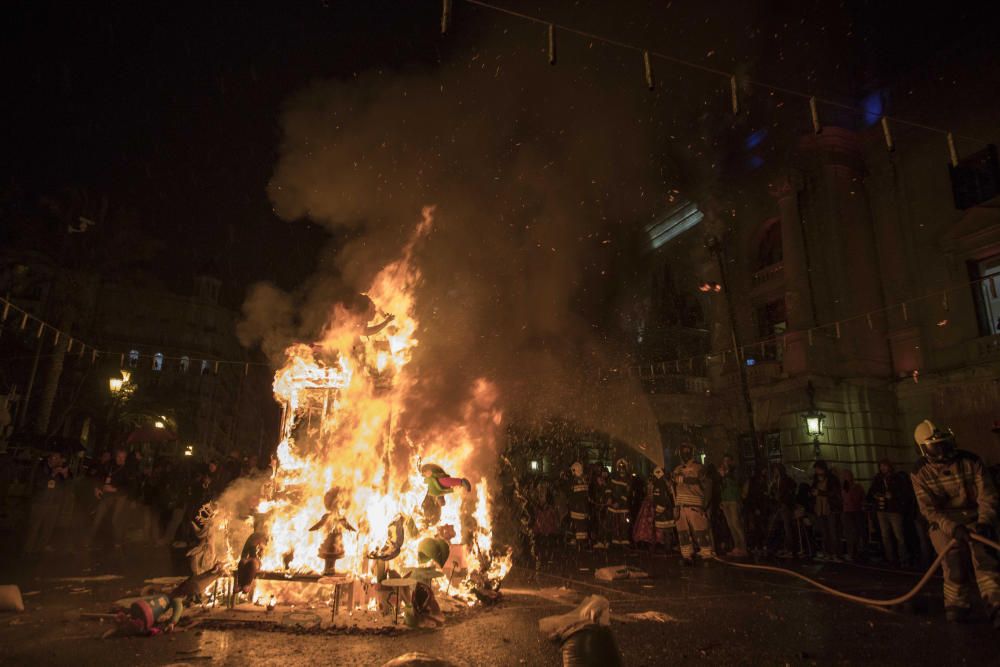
(133, 358)
(185, 364)
(204, 367)
(158, 361)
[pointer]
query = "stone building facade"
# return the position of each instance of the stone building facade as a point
(817, 265)
(170, 342)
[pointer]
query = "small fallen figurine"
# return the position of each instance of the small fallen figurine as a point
(332, 548)
(148, 616)
(151, 615)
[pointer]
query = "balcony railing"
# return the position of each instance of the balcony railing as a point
(764, 372)
(767, 274)
(676, 384)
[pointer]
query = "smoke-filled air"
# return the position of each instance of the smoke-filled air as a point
(524, 171)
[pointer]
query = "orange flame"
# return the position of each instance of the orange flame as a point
(342, 398)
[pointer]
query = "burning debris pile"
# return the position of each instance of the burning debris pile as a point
(358, 511)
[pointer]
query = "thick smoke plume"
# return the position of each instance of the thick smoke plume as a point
(541, 183)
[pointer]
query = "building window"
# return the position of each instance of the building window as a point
(185, 364)
(769, 250)
(204, 367)
(133, 358)
(158, 361)
(986, 292)
(976, 178)
(771, 326)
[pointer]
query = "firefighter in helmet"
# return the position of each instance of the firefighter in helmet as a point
(579, 504)
(618, 497)
(692, 489)
(957, 498)
(663, 507)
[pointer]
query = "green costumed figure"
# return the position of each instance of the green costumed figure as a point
(439, 484)
(436, 549)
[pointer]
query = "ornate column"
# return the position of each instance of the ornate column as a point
(799, 307)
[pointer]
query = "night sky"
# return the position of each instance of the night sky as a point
(172, 109)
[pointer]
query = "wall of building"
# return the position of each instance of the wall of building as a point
(863, 230)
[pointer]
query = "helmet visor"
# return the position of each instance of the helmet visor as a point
(938, 447)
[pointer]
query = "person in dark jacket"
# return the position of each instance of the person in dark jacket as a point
(827, 506)
(579, 505)
(618, 499)
(758, 510)
(889, 494)
(113, 484)
(781, 492)
(854, 519)
(51, 484)
(731, 503)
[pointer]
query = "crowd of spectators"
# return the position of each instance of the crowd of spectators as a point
(121, 499)
(824, 514)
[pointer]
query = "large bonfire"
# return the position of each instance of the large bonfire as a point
(353, 494)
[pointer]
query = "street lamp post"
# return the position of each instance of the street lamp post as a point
(121, 388)
(715, 247)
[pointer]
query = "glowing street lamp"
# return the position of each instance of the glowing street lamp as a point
(814, 424)
(116, 385)
(814, 419)
(159, 424)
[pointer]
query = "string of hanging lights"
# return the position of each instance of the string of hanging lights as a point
(72, 344)
(813, 100)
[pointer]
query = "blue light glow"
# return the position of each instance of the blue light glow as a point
(755, 139)
(872, 107)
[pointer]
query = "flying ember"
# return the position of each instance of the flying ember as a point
(354, 496)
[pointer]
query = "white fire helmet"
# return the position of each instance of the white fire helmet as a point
(658, 472)
(577, 469)
(935, 444)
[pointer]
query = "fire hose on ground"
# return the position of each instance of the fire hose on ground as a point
(857, 598)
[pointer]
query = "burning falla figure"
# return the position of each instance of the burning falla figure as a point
(333, 522)
(439, 484)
